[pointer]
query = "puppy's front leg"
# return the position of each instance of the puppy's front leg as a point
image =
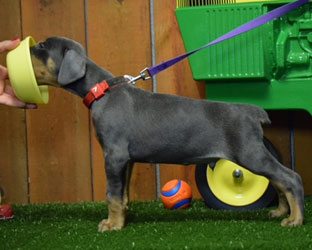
(116, 216)
(126, 194)
(116, 173)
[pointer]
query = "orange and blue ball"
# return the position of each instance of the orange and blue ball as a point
(176, 194)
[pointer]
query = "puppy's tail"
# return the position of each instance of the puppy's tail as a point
(259, 114)
(263, 117)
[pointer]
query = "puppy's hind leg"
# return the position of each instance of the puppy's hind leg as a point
(283, 207)
(295, 198)
(286, 180)
(117, 194)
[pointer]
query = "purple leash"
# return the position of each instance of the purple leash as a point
(239, 30)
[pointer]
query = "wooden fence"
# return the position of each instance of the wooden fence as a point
(51, 154)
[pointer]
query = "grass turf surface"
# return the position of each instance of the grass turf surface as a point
(150, 226)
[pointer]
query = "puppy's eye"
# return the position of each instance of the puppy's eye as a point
(41, 45)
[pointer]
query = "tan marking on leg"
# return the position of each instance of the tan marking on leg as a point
(116, 216)
(283, 207)
(44, 73)
(295, 218)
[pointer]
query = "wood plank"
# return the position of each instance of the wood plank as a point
(13, 154)
(58, 133)
(119, 40)
(278, 134)
(177, 80)
(303, 148)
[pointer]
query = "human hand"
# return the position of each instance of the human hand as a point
(7, 96)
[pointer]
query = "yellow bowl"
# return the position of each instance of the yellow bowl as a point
(22, 76)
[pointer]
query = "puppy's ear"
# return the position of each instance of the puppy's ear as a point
(73, 67)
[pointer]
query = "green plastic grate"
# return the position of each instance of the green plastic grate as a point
(193, 3)
(270, 66)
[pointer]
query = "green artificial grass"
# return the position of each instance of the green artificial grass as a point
(150, 226)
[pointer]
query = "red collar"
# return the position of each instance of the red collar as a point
(96, 92)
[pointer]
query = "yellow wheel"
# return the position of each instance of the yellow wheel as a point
(226, 185)
(235, 185)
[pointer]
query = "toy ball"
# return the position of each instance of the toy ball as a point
(176, 194)
(6, 212)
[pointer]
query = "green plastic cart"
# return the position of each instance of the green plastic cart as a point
(270, 66)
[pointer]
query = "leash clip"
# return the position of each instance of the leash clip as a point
(142, 76)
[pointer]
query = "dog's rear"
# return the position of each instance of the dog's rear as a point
(260, 114)
(135, 125)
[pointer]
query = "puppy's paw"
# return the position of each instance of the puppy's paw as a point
(107, 225)
(290, 222)
(277, 213)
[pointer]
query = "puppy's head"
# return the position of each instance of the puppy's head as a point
(58, 61)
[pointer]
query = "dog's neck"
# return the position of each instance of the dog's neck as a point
(94, 75)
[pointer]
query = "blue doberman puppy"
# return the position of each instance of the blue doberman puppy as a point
(133, 125)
